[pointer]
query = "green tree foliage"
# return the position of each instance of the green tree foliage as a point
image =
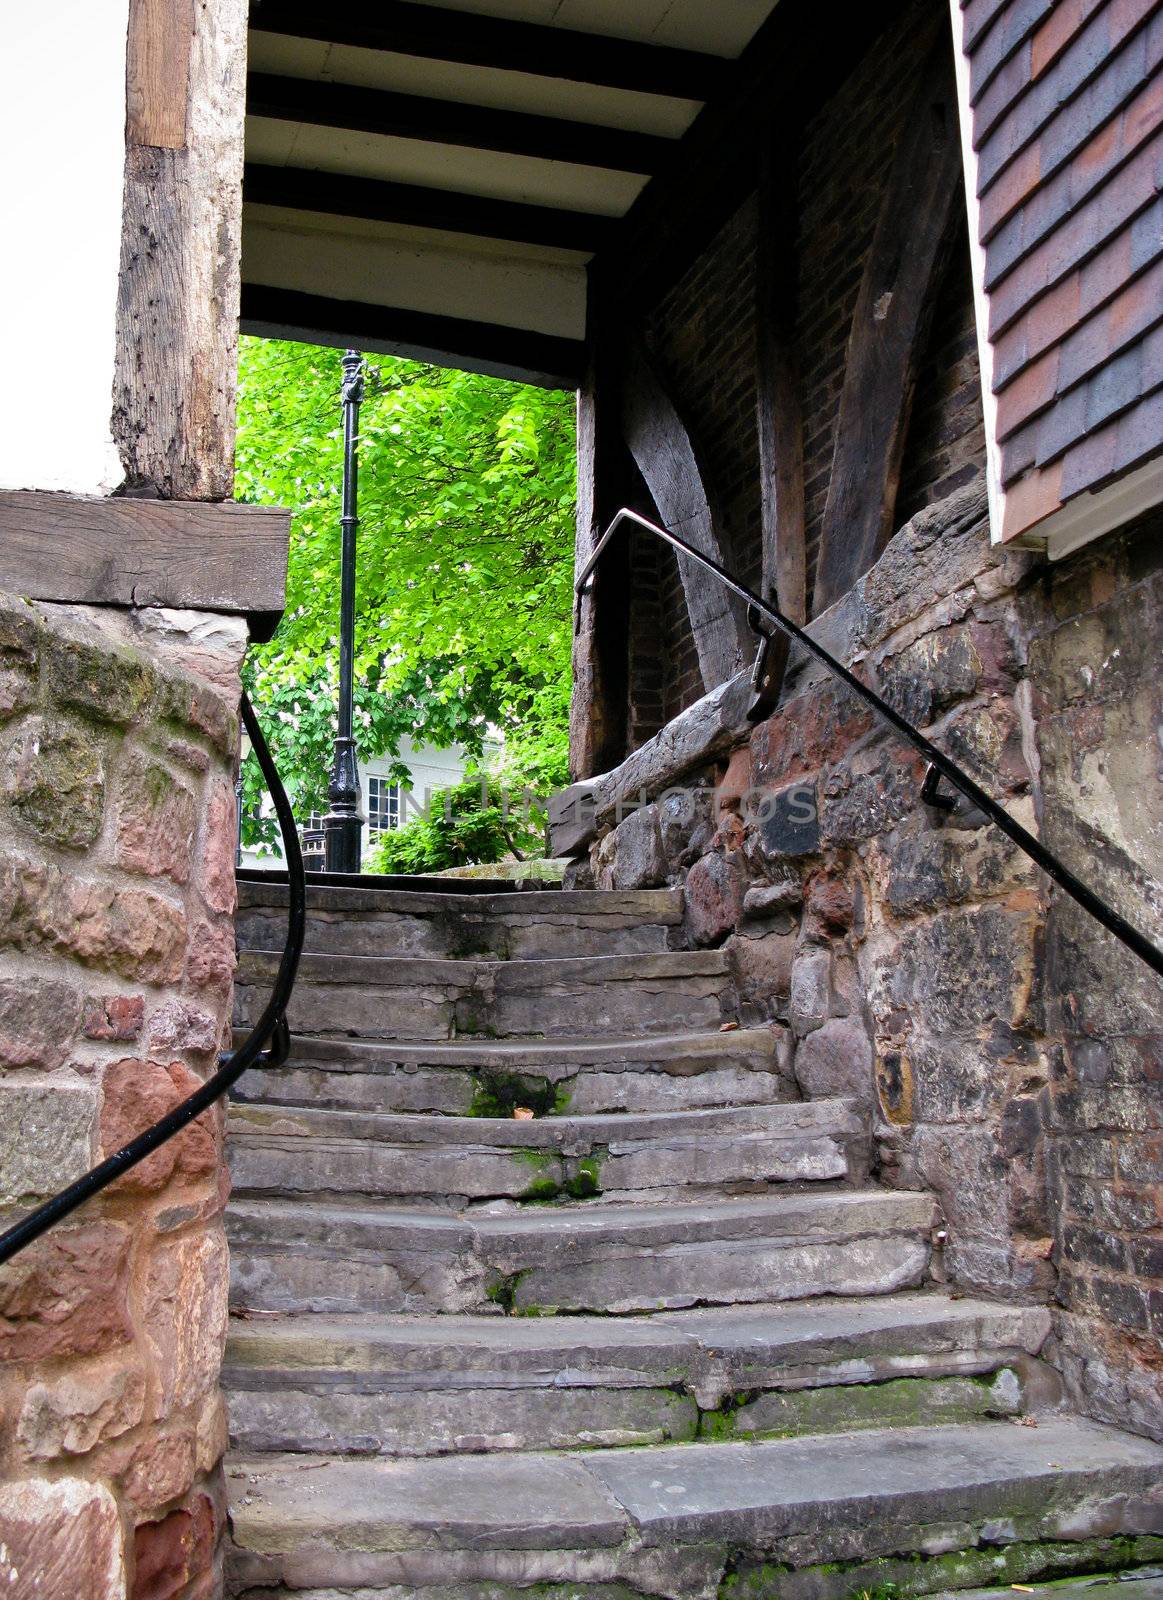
(466, 502)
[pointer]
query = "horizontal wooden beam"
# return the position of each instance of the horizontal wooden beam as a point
(411, 116)
(209, 556)
(339, 195)
(438, 34)
(502, 352)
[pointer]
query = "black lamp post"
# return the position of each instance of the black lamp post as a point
(343, 824)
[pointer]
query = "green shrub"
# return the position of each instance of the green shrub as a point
(473, 823)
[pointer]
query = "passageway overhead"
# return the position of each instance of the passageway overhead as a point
(432, 179)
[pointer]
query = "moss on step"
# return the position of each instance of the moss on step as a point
(837, 1408)
(547, 1177)
(502, 1291)
(498, 1094)
(585, 1181)
(906, 1577)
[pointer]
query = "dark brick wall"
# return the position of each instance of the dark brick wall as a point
(702, 336)
(946, 443)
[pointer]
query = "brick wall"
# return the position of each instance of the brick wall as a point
(117, 836)
(702, 335)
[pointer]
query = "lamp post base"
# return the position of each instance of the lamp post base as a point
(341, 841)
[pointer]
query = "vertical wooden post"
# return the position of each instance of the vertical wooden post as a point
(178, 298)
(781, 450)
(599, 704)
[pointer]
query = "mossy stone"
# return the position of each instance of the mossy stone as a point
(54, 782)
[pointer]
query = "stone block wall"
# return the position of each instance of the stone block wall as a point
(118, 737)
(1011, 1055)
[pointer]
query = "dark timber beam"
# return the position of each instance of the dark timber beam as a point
(439, 34)
(408, 116)
(599, 703)
(502, 352)
(662, 448)
(779, 416)
(337, 195)
(889, 325)
(115, 550)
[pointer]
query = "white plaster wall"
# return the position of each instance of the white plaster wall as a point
(62, 158)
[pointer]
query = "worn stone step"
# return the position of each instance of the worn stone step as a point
(659, 1072)
(428, 1386)
(676, 1521)
(307, 1256)
(405, 997)
(530, 925)
(288, 1150)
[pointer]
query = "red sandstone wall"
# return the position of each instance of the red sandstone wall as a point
(1010, 1052)
(117, 819)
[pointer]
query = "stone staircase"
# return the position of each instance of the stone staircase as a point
(455, 1327)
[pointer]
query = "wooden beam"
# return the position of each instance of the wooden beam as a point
(177, 308)
(157, 72)
(490, 347)
(891, 319)
(437, 34)
(408, 116)
(338, 195)
(779, 412)
(662, 448)
(120, 551)
(599, 703)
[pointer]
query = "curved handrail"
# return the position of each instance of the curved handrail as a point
(268, 1042)
(940, 763)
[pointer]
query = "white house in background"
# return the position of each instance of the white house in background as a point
(385, 804)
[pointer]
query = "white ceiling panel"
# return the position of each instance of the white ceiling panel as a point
(478, 86)
(315, 255)
(717, 27)
(481, 172)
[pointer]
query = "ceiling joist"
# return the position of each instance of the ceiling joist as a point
(504, 352)
(410, 29)
(372, 200)
(406, 116)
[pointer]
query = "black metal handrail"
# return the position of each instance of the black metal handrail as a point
(940, 765)
(267, 1044)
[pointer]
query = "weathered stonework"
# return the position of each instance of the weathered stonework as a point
(116, 956)
(1012, 1051)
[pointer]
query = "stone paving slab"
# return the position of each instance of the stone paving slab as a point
(641, 1075)
(419, 998)
(801, 1501)
(528, 925)
(424, 1386)
(289, 1150)
(616, 1257)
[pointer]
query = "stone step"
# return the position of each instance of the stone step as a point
(1140, 1583)
(286, 1150)
(784, 1518)
(530, 925)
(659, 1072)
(432, 1385)
(307, 1256)
(405, 997)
